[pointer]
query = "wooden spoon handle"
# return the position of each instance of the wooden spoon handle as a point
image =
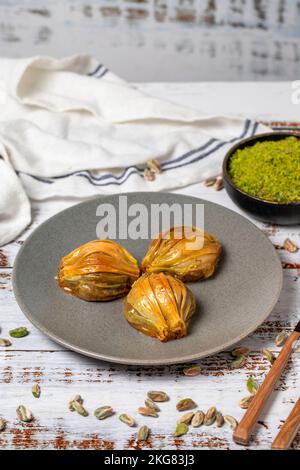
(243, 431)
(289, 430)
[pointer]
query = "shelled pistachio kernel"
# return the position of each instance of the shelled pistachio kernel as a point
(103, 412)
(143, 433)
(151, 404)
(2, 424)
(238, 362)
(79, 408)
(210, 416)
(281, 339)
(181, 429)
(192, 371)
(198, 419)
(24, 414)
(19, 332)
(245, 402)
(36, 390)
(268, 355)
(158, 396)
(145, 411)
(252, 386)
(219, 419)
(186, 418)
(77, 398)
(231, 421)
(127, 419)
(5, 342)
(186, 404)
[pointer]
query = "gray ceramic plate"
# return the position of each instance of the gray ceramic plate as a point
(231, 305)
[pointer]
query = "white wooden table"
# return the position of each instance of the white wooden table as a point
(61, 373)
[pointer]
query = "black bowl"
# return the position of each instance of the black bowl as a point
(266, 211)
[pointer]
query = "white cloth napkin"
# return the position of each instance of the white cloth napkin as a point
(71, 128)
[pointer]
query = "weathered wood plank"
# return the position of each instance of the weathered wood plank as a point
(43, 210)
(285, 316)
(63, 374)
(237, 40)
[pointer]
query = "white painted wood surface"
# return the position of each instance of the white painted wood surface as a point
(171, 40)
(61, 373)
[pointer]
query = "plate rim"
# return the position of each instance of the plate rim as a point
(127, 361)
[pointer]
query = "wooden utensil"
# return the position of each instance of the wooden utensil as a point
(243, 431)
(289, 429)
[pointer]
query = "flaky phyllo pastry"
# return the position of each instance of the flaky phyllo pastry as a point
(98, 270)
(188, 253)
(160, 305)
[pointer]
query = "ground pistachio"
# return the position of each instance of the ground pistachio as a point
(192, 371)
(245, 402)
(2, 424)
(19, 332)
(210, 416)
(79, 408)
(186, 419)
(231, 421)
(181, 429)
(127, 419)
(239, 362)
(145, 411)
(268, 355)
(36, 390)
(252, 386)
(240, 351)
(103, 412)
(143, 433)
(77, 398)
(24, 414)
(158, 396)
(151, 404)
(186, 404)
(281, 339)
(198, 419)
(5, 342)
(219, 419)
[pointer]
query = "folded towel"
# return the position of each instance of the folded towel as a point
(70, 127)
